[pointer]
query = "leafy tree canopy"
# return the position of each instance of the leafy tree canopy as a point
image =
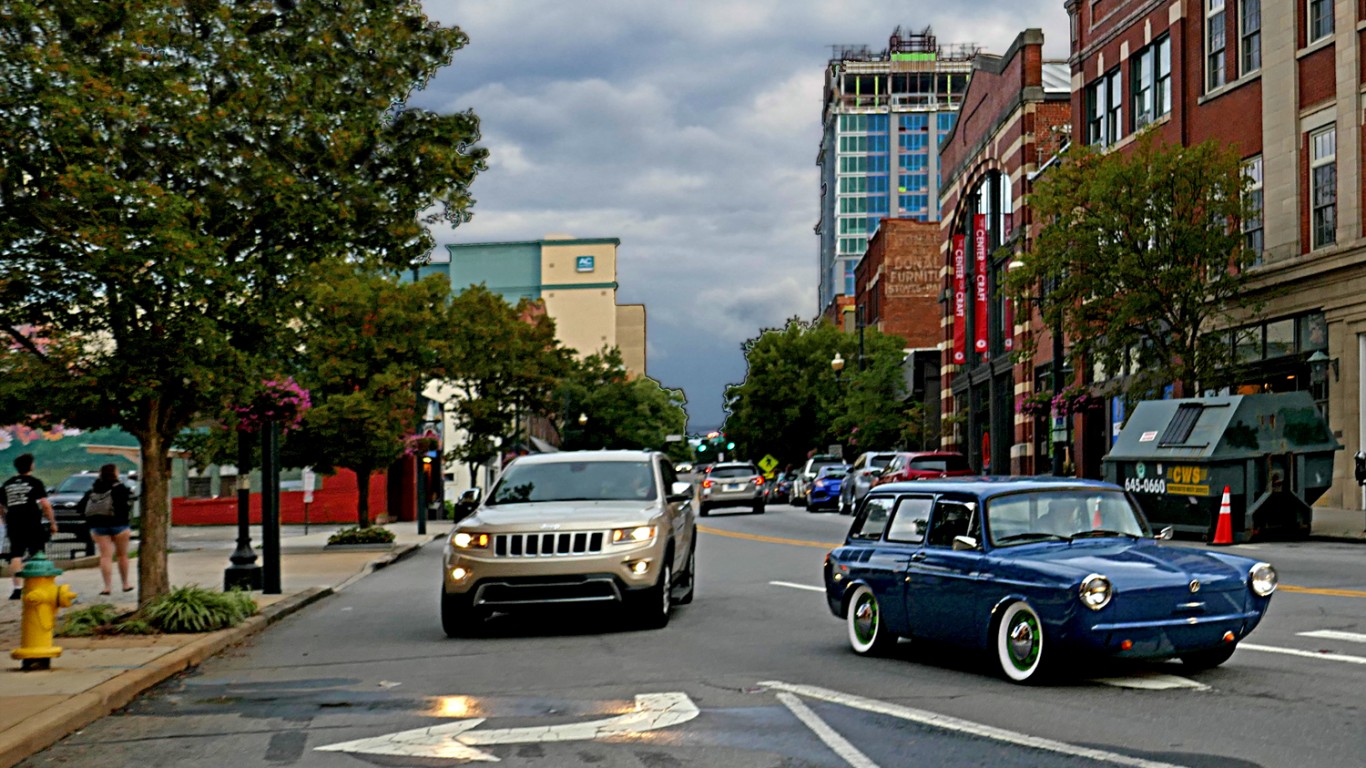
(619, 411)
(169, 172)
(1141, 257)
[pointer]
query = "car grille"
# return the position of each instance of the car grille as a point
(561, 590)
(547, 544)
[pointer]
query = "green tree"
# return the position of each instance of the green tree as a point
(169, 170)
(791, 402)
(620, 411)
(1141, 257)
(368, 342)
(508, 366)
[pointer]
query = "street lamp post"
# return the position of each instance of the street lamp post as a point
(837, 365)
(244, 573)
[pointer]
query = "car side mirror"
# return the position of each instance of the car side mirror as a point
(964, 543)
(680, 492)
(1165, 534)
(469, 499)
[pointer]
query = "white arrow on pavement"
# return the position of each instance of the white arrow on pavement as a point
(457, 741)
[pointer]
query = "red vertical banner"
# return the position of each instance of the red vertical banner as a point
(960, 300)
(979, 295)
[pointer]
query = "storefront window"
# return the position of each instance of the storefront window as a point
(1280, 338)
(1247, 345)
(1313, 332)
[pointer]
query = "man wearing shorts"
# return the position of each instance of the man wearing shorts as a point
(24, 504)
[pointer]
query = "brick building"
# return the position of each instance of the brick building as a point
(1015, 118)
(1281, 81)
(897, 282)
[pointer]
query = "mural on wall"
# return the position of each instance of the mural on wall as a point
(60, 451)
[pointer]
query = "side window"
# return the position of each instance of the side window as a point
(670, 476)
(910, 519)
(950, 519)
(872, 518)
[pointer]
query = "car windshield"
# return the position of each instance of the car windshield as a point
(575, 481)
(1062, 514)
(76, 484)
(881, 461)
(720, 472)
(833, 472)
(939, 463)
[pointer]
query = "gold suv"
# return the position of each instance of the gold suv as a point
(572, 527)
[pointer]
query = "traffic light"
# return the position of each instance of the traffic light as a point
(730, 446)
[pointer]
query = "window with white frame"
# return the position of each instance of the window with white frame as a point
(1114, 127)
(1250, 36)
(1150, 75)
(1253, 238)
(1323, 186)
(1215, 44)
(1320, 18)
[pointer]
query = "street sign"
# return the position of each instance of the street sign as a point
(457, 741)
(673, 438)
(767, 463)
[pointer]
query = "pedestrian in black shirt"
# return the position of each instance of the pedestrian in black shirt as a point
(106, 507)
(23, 503)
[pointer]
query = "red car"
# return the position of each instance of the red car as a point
(925, 466)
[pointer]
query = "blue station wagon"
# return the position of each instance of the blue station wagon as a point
(1034, 571)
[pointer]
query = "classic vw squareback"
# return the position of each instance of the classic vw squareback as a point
(1034, 569)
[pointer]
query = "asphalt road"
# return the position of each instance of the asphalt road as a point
(756, 672)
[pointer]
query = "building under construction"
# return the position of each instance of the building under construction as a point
(883, 115)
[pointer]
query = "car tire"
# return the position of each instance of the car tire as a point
(656, 603)
(868, 636)
(1209, 659)
(689, 575)
(458, 617)
(1020, 645)
(703, 510)
(758, 509)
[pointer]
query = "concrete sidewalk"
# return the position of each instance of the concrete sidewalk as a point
(97, 675)
(1334, 524)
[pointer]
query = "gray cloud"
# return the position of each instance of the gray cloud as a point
(689, 131)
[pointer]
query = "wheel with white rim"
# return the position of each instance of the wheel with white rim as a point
(868, 636)
(1020, 643)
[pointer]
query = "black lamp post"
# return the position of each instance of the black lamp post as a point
(244, 573)
(837, 365)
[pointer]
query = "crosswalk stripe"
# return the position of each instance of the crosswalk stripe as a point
(790, 585)
(1304, 654)
(840, 745)
(1333, 634)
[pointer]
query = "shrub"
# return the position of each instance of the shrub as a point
(195, 609)
(371, 535)
(87, 621)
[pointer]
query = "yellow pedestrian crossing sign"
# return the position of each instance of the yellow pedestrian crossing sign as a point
(767, 463)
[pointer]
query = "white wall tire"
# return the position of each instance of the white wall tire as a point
(868, 636)
(1020, 644)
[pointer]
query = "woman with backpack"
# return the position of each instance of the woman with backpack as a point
(106, 507)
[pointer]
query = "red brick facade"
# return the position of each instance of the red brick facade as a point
(898, 281)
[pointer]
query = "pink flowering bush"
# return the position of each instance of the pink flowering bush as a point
(282, 401)
(1073, 400)
(418, 444)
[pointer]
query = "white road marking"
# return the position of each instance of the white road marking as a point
(790, 585)
(456, 741)
(963, 726)
(841, 746)
(1151, 681)
(1306, 654)
(1333, 634)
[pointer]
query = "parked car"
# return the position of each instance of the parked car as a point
(862, 474)
(824, 494)
(68, 493)
(732, 484)
(779, 491)
(925, 465)
(801, 484)
(572, 527)
(1038, 572)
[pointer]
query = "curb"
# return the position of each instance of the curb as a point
(382, 562)
(52, 725)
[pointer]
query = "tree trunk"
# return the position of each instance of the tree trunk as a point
(153, 573)
(474, 474)
(363, 502)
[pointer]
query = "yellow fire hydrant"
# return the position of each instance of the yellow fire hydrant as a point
(41, 598)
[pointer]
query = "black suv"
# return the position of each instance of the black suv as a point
(68, 493)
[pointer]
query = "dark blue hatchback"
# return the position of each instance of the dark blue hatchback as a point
(1036, 570)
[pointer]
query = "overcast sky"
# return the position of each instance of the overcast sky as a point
(689, 131)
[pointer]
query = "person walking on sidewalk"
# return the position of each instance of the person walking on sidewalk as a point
(24, 504)
(105, 508)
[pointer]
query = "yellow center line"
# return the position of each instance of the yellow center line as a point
(767, 539)
(828, 546)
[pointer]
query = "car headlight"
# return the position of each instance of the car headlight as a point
(463, 540)
(633, 535)
(1095, 592)
(1262, 579)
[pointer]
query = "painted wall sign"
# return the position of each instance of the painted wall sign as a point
(583, 264)
(960, 301)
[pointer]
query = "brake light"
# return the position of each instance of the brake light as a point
(759, 480)
(706, 483)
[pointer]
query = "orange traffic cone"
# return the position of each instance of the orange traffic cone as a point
(1095, 518)
(1223, 529)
